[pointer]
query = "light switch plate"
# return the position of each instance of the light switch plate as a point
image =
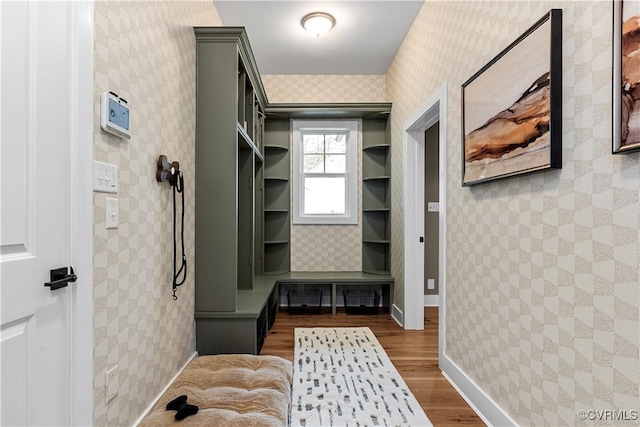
(112, 213)
(431, 284)
(105, 177)
(433, 207)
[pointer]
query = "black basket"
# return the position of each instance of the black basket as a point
(359, 301)
(306, 301)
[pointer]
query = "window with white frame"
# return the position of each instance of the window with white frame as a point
(325, 172)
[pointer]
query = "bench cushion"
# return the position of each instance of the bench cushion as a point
(230, 390)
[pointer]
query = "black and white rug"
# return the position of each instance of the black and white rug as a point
(343, 377)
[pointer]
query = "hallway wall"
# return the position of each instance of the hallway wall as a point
(542, 271)
(145, 52)
(310, 88)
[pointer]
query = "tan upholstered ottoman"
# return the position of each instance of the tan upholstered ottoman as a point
(230, 390)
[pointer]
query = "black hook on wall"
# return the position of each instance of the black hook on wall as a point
(171, 173)
(167, 171)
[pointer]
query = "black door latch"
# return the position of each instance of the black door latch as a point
(60, 278)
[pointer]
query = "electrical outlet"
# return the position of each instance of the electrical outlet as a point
(433, 207)
(111, 384)
(105, 177)
(431, 284)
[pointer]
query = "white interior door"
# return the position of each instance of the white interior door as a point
(35, 238)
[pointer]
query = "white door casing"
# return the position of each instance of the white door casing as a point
(45, 94)
(432, 111)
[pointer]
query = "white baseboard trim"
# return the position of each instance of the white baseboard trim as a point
(431, 300)
(150, 407)
(486, 408)
(396, 314)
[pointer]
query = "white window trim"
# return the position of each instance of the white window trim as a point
(351, 207)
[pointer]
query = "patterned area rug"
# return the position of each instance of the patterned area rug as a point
(343, 377)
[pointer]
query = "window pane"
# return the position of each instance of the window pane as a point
(313, 163)
(336, 143)
(313, 143)
(324, 195)
(336, 163)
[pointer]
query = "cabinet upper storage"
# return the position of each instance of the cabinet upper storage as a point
(226, 70)
(230, 121)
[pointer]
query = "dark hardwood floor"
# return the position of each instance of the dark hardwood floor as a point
(414, 354)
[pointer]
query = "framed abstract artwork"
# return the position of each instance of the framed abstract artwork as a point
(626, 76)
(512, 107)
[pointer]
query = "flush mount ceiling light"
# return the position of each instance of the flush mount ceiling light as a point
(318, 23)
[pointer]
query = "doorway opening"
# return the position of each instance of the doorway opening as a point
(429, 114)
(431, 220)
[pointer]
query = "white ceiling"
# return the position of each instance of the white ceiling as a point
(365, 39)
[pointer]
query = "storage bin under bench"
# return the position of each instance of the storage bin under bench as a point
(343, 279)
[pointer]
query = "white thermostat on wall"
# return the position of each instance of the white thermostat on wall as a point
(114, 115)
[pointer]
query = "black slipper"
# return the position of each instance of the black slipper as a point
(176, 403)
(186, 410)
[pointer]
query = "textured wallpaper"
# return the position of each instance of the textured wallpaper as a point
(324, 88)
(145, 52)
(543, 286)
(327, 247)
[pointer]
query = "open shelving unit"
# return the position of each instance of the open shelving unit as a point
(277, 218)
(376, 180)
(376, 197)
